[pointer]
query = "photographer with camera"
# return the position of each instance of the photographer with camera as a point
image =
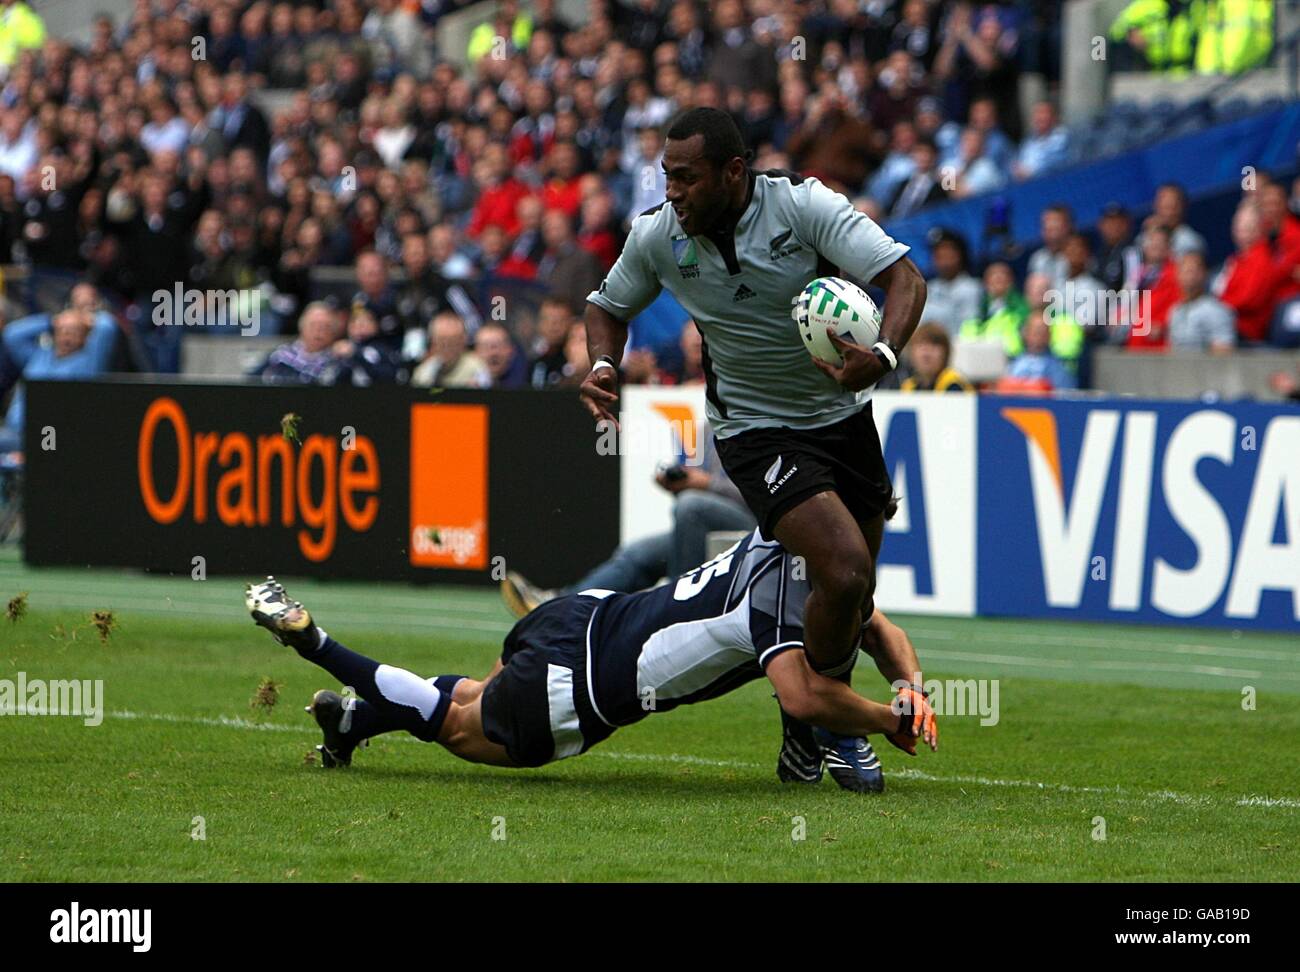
(706, 500)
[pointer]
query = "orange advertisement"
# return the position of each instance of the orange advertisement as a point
(449, 486)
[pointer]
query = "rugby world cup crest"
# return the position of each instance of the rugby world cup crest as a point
(686, 257)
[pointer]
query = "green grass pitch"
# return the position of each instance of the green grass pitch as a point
(1142, 727)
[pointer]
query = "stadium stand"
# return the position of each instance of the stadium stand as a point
(236, 160)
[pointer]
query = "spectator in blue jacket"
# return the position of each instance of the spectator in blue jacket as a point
(1046, 148)
(983, 117)
(898, 165)
(73, 345)
(1037, 361)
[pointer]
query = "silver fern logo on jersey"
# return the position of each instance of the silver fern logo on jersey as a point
(773, 471)
(779, 245)
(769, 477)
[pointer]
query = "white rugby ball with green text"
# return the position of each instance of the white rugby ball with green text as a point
(839, 304)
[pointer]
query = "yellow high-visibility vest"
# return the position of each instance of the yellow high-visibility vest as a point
(1237, 35)
(21, 29)
(1169, 39)
(482, 37)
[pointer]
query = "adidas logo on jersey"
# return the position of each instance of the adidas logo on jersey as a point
(742, 293)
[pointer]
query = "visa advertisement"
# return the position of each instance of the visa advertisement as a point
(1105, 509)
(1156, 512)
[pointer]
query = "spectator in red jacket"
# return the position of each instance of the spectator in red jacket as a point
(496, 259)
(499, 194)
(563, 190)
(1158, 281)
(596, 232)
(1281, 228)
(1250, 277)
(1275, 217)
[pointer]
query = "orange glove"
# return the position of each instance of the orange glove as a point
(915, 719)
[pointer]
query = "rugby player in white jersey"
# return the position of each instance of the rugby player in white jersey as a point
(795, 434)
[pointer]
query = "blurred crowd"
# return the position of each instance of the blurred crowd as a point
(324, 155)
(398, 217)
(1144, 288)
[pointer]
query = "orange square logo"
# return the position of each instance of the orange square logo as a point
(449, 484)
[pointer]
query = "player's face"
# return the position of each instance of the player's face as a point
(698, 190)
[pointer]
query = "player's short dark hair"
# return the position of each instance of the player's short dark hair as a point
(722, 139)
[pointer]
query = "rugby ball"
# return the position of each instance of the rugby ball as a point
(835, 302)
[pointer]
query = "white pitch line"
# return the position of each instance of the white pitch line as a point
(1254, 654)
(1099, 664)
(1262, 801)
(1076, 641)
(342, 600)
(225, 722)
(152, 607)
(1115, 792)
(974, 656)
(1130, 666)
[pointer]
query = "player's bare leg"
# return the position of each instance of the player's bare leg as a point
(467, 690)
(887, 643)
(387, 698)
(840, 563)
(462, 735)
(841, 569)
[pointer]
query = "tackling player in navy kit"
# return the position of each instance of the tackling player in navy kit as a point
(581, 666)
(795, 434)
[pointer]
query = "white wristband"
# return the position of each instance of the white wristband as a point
(601, 363)
(887, 353)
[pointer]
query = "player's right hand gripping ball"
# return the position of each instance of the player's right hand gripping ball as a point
(839, 304)
(915, 720)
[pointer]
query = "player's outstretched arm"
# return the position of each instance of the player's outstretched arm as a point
(891, 649)
(606, 336)
(831, 704)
